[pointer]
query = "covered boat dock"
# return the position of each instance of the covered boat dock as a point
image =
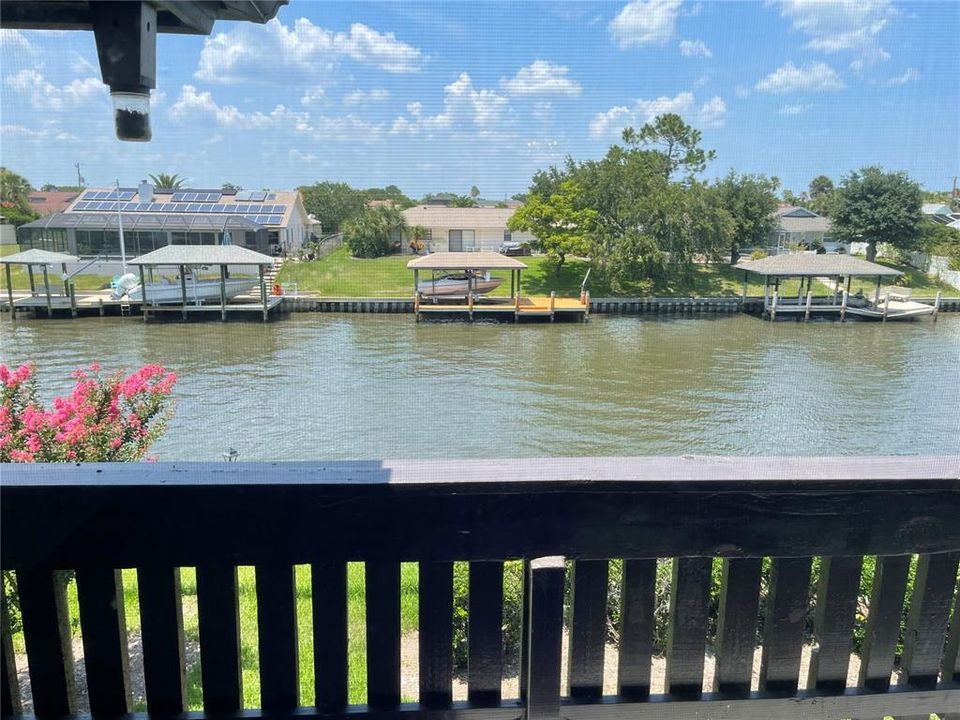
(836, 272)
(474, 303)
(222, 257)
(45, 259)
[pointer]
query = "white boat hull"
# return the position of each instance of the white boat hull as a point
(449, 287)
(197, 292)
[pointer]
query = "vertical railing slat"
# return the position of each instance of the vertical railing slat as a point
(636, 628)
(105, 653)
(436, 634)
(46, 630)
(737, 625)
(383, 634)
(485, 633)
(9, 683)
(524, 635)
(787, 603)
(161, 628)
(218, 611)
(687, 630)
(329, 590)
(544, 629)
(588, 627)
(883, 622)
(928, 618)
(277, 637)
(951, 653)
(838, 591)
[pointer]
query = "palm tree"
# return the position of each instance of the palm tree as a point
(418, 233)
(172, 182)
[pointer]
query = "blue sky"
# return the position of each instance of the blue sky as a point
(433, 96)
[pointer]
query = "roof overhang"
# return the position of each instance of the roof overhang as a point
(465, 261)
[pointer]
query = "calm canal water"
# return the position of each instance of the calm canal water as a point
(362, 386)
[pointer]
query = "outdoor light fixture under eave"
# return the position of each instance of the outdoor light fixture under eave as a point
(126, 37)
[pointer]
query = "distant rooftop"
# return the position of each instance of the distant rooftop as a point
(37, 257)
(455, 217)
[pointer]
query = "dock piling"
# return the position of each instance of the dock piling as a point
(553, 301)
(936, 305)
(886, 306)
(13, 311)
(843, 307)
(806, 312)
(773, 305)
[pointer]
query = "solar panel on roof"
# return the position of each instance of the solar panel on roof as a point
(219, 208)
(213, 197)
(258, 196)
(271, 196)
(193, 207)
(242, 195)
(275, 220)
(241, 208)
(166, 207)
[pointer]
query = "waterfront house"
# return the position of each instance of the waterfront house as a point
(47, 203)
(468, 229)
(266, 221)
(800, 226)
(938, 212)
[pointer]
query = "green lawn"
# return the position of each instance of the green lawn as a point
(21, 280)
(340, 275)
(921, 284)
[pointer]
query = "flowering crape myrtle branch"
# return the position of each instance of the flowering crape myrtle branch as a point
(106, 418)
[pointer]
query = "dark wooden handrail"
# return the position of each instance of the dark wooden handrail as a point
(95, 519)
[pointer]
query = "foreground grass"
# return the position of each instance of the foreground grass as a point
(249, 653)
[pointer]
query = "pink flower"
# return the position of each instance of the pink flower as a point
(95, 366)
(116, 443)
(21, 456)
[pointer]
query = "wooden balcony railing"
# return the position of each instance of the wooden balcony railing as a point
(95, 519)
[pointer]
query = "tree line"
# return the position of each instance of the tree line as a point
(643, 213)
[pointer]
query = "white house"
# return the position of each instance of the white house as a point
(800, 226)
(463, 229)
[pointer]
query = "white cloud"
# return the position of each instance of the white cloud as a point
(695, 48)
(645, 22)
(796, 109)
(741, 91)
(842, 25)
(910, 75)
(313, 95)
(193, 105)
(14, 42)
(251, 53)
(360, 97)
(44, 95)
(541, 78)
(812, 77)
(710, 114)
(462, 104)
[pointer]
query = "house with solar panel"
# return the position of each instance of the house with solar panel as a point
(270, 221)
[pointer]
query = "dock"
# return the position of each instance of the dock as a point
(517, 308)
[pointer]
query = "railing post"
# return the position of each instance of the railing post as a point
(544, 631)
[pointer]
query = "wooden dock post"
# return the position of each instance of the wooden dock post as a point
(843, 307)
(13, 311)
(263, 293)
(553, 301)
(46, 289)
(183, 291)
(143, 293)
(586, 305)
(806, 312)
(936, 311)
(886, 305)
(773, 305)
(469, 300)
(516, 308)
(416, 305)
(72, 294)
(100, 301)
(223, 293)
